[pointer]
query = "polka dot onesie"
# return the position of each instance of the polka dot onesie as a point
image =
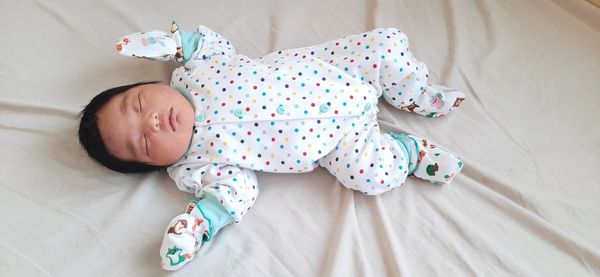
(291, 111)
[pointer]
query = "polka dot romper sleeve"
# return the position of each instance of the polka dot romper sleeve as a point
(211, 44)
(235, 188)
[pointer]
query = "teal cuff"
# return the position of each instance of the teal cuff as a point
(189, 42)
(216, 215)
(402, 140)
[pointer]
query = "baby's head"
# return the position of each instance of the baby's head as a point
(137, 128)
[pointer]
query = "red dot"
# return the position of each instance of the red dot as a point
(374, 66)
(389, 50)
(330, 135)
(312, 104)
(243, 157)
(249, 133)
(272, 115)
(231, 82)
(268, 163)
(310, 130)
(218, 173)
(382, 182)
(361, 171)
(272, 139)
(358, 43)
(337, 43)
(247, 109)
(318, 84)
(304, 154)
(223, 104)
(254, 87)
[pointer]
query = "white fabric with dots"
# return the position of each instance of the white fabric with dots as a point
(285, 111)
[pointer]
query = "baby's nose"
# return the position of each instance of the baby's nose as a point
(152, 122)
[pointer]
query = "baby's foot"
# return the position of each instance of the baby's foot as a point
(440, 101)
(434, 164)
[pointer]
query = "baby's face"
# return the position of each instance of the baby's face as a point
(151, 124)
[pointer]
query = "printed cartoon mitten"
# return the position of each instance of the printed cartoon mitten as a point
(160, 46)
(436, 101)
(183, 237)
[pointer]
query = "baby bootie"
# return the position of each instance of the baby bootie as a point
(183, 237)
(438, 101)
(427, 161)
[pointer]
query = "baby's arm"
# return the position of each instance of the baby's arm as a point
(226, 193)
(178, 45)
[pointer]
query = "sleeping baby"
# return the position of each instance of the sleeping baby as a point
(224, 116)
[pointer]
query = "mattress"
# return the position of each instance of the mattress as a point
(527, 202)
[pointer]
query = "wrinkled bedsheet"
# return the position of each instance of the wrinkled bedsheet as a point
(526, 204)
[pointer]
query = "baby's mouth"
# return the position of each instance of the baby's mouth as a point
(172, 121)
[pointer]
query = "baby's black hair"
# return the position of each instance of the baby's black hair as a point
(89, 134)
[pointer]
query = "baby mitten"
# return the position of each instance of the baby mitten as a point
(160, 46)
(154, 45)
(183, 237)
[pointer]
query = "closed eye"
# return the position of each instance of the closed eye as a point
(140, 101)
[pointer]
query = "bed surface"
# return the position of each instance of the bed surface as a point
(526, 204)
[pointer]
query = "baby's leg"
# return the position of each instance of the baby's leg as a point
(382, 58)
(366, 160)
(427, 161)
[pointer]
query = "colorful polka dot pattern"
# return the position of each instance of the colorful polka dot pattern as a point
(292, 110)
(235, 188)
(367, 161)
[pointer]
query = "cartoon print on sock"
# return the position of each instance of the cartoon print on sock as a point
(458, 101)
(437, 101)
(410, 107)
(421, 155)
(432, 169)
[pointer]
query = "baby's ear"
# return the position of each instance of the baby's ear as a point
(153, 45)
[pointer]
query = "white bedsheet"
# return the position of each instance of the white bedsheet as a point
(526, 204)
